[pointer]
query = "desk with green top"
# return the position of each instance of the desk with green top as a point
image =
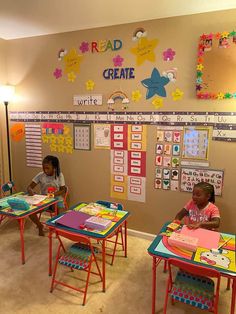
(21, 215)
(102, 236)
(161, 250)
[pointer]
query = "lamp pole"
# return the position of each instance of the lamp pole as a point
(8, 141)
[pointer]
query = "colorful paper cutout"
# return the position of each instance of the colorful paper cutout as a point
(90, 85)
(84, 47)
(136, 95)
(157, 102)
(168, 55)
(171, 74)
(72, 61)
(177, 94)
(57, 73)
(118, 95)
(155, 84)
(138, 33)
(144, 50)
(118, 61)
(17, 132)
(71, 77)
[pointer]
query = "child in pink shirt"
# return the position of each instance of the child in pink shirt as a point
(200, 211)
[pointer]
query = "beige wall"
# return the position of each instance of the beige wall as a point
(31, 62)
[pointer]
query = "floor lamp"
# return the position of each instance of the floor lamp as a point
(6, 95)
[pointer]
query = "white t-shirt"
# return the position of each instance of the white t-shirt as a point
(48, 181)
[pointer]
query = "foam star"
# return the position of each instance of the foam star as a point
(118, 60)
(228, 95)
(57, 73)
(145, 50)
(155, 84)
(224, 34)
(177, 94)
(200, 67)
(233, 33)
(136, 95)
(71, 77)
(72, 61)
(220, 96)
(157, 102)
(90, 85)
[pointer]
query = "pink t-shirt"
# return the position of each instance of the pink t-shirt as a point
(199, 215)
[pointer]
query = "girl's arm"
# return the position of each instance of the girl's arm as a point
(181, 214)
(212, 224)
(30, 188)
(61, 191)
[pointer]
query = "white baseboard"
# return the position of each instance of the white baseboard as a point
(140, 234)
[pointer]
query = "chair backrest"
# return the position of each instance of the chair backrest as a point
(7, 188)
(111, 205)
(71, 236)
(194, 268)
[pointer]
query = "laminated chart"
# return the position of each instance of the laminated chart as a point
(128, 162)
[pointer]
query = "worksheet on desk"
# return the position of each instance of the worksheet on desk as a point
(34, 199)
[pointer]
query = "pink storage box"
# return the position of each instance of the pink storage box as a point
(183, 241)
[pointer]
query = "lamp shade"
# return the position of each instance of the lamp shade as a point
(7, 93)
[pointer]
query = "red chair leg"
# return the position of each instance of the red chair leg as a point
(228, 284)
(87, 281)
(114, 250)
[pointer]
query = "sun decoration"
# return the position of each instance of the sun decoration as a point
(136, 95)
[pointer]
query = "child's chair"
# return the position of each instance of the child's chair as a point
(7, 188)
(114, 206)
(191, 287)
(80, 256)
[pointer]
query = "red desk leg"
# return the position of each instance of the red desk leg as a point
(125, 238)
(103, 265)
(50, 253)
(22, 225)
(155, 262)
(233, 296)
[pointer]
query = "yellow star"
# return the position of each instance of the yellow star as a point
(200, 67)
(69, 149)
(157, 102)
(68, 140)
(145, 50)
(45, 138)
(60, 140)
(72, 61)
(53, 148)
(136, 95)
(90, 85)
(220, 96)
(71, 77)
(177, 94)
(224, 34)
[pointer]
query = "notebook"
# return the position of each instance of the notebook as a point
(73, 219)
(206, 238)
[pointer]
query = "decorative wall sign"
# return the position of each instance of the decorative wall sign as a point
(191, 176)
(155, 84)
(17, 132)
(33, 143)
(87, 100)
(145, 50)
(119, 73)
(195, 144)
(216, 66)
(82, 136)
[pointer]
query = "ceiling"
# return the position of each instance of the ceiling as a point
(26, 18)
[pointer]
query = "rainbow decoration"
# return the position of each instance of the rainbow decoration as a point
(118, 95)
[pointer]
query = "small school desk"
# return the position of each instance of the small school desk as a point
(93, 234)
(21, 215)
(161, 250)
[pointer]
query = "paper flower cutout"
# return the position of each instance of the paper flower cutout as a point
(233, 33)
(84, 47)
(224, 34)
(220, 96)
(198, 87)
(155, 84)
(144, 50)
(218, 35)
(71, 77)
(72, 61)
(168, 55)
(136, 95)
(90, 85)
(200, 67)
(118, 61)
(199, 74)
(157, 102)
(57, 73)
(177, 94)
(199, 80)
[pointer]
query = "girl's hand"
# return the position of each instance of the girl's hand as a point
(194, 226)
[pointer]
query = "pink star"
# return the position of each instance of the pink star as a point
(118, 60)
(84, 47)
(57, 73)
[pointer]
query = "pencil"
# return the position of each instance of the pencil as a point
(223, 244)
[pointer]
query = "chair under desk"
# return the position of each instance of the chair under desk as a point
(22, 215)
(160, 250)
(101, 236)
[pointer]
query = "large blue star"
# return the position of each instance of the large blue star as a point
(155, 84)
